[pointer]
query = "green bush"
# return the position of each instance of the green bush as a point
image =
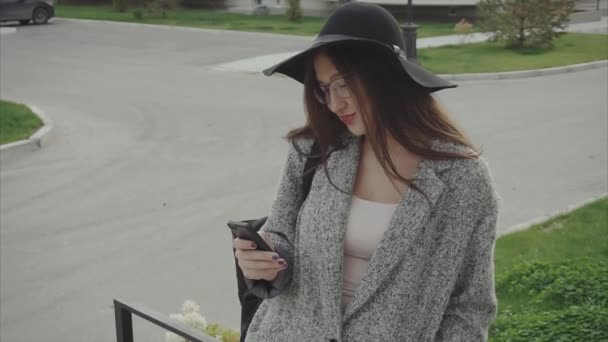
(565, 301)
(191, 316)
(138, 13)
(294, 12)
(120, 5)
(225, 335)
(525, 23)
(160, 8)
(575, 282)
(576, 323)
(578, 285)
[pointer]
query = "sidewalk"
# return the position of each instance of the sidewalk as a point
(597, 27)
(257, 64)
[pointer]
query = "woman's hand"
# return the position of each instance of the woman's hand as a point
(257, 264)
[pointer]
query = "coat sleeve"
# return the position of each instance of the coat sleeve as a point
(282, 220)
(472, 305)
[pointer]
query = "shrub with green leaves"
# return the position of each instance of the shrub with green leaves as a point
(294, 12)
(574, 324)
(575, 282)
(565, 301)
(159, 8)
(578, 284)
(191, 316)
(120, 5)
(525, 23)
(138, 13)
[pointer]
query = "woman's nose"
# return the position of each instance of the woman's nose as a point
(336, 102)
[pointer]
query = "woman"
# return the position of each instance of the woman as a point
(395, 240)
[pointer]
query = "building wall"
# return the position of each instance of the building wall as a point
(427, 2)
(446, 10)
(309, 7)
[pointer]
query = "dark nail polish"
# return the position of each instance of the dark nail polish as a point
(282, 263)
(275, 257)
(253, 245)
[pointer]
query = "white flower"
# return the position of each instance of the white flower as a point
(178, 317)
(171, 337)
(195, 320)
(190, 306)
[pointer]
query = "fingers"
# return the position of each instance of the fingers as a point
(261, 258)
(266, 275)
(267, 270)
(243, 244)
(257, 264)
(269, 275)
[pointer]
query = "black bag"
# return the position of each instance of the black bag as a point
(249, 301)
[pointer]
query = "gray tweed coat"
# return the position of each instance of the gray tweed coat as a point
(430, 279)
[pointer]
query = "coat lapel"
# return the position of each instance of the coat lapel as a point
(398, 245)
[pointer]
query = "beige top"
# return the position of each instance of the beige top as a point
(365, 227)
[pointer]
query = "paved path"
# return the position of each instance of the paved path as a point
(154, 152)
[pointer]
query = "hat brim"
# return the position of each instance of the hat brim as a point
(295, 66)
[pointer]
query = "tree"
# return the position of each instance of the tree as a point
(120, 5)
(294, 12)
(525, 23)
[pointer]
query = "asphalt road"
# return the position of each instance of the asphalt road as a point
(153, 151)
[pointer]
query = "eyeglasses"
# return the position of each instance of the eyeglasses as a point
(339, 88)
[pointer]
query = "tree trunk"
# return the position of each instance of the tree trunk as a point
(521, 37)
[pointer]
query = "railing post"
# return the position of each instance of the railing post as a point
(124, 323)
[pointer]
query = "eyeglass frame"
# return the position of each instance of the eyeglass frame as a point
(325, 97)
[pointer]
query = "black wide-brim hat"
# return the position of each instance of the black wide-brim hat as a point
(367, 25)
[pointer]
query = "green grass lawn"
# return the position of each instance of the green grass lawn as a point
(552, 279)
(582, 233)
(309, 26)
(17, 122)
(570, 48)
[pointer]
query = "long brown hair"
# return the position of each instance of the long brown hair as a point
(391, 104)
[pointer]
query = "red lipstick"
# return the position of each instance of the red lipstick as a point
(348, 119)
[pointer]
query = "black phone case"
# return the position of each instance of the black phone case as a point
(242, 230)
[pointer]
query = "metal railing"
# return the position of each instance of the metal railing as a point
(124, 323)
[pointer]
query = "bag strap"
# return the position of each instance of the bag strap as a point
(307, 176)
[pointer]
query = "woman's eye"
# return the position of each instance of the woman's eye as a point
(341, 84)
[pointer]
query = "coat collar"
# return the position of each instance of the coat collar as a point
(399, 244)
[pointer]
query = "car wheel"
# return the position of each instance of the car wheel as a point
(41, 16)
(24, 22)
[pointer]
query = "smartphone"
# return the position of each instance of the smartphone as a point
(243, 230)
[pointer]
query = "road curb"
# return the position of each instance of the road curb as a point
(569, 209)
(7, 30)
(526, 73)
(14, 150)
(190, 29)
(236, 67)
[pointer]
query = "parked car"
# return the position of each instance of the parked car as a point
(24, 11)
